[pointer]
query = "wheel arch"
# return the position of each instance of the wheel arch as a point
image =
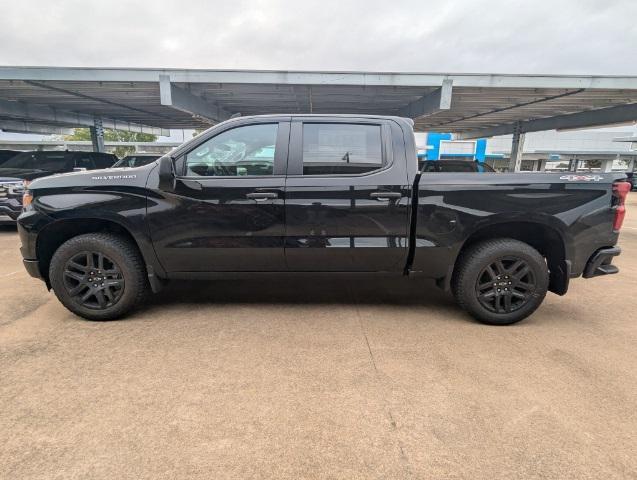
(546, 239)
(51, 237)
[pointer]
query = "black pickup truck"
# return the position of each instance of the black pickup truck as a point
(317, 193)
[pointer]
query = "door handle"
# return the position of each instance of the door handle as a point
(385, 195)
(260, 196)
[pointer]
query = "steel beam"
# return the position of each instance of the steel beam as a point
(317, 78)
(20, 126)
(92, 98)
(434, 102)
(43, 114)
(173, 96)
(590, 118)
(85, 146)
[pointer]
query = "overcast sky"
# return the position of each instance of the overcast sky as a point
(501, 36)
(533, 36)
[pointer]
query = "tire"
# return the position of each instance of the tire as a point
(491, 271)
(86, 265)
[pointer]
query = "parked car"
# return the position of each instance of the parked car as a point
(27, 166)
(136, 160)
(447, 166)
(317, 193)
(6, 155)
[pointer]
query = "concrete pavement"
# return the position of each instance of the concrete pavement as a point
(319, 378)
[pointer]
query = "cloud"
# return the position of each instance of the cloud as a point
(557, 36)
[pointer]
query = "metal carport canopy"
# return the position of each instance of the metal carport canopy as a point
(154, 100)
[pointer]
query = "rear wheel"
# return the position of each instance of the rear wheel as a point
(98, 276)
(501, 281)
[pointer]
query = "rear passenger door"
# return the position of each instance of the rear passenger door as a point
(346, 196)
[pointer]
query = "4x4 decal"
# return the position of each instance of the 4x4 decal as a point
(582, 178)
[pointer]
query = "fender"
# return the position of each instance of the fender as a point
(87, 207)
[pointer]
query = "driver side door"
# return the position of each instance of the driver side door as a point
(227, 210)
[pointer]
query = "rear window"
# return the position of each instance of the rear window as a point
(337, 149)
(457, 167)
(447, 166)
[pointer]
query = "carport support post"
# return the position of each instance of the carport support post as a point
(573, 165)
(607, 165)
(517, 149)
(541, 165)
(97, 135)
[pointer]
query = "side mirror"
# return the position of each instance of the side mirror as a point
(167, 174)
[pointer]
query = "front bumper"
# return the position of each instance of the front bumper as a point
(10, 209)
(10, 201)
(600, 262)
(32, 267)
(29, 225)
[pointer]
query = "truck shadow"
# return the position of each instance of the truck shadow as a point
(307, 289)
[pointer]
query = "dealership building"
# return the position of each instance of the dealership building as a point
(581, 150)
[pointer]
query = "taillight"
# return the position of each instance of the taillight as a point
(620, 191)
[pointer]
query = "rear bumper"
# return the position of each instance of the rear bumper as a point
(600, 262)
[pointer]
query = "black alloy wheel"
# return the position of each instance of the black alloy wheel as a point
(505, 285)
(99, 276)
(93, 280)
(500, 281)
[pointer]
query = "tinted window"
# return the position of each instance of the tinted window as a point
(429, 167)
(84, 161)
(336, 149)
(457, 167)
(483, 167)
(46, 161)
(450, 166)
(104, 160)
(7, 154)
(247, 150)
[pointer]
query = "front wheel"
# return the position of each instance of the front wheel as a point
(98, 276)
(500, 282)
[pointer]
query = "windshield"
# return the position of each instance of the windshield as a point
(45, 161)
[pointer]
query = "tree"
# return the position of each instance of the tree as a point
(84, 134)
